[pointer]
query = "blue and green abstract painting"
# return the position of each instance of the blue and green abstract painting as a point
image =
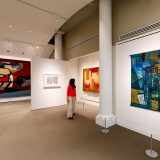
(145, 80)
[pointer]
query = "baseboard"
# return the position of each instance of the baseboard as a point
(142, 129)
(20, 99)
(15, 99)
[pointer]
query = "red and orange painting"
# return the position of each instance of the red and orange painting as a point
(91, 79)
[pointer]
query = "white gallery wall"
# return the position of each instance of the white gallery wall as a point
(15, 98)
(48, 97)
(141, 120)
(76, 71)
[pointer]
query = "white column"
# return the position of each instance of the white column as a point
(106, 117)
(58, 46)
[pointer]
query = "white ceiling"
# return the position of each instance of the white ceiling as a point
(42, 17)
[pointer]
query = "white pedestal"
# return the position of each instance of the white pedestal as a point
(105, 121)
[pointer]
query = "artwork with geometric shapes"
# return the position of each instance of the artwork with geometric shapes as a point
(145, 80)
(91, 79)
(15, 78)
(51, 81)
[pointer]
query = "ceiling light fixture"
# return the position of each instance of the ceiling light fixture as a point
(37, 47)
(10, 26)
(30, 31)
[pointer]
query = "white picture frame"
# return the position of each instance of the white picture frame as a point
(51, 80)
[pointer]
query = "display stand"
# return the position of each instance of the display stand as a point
(86, 100)
(83, 106)
(150, 152)
(9, 102)
(105, 130)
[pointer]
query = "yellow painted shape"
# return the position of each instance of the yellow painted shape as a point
(4, 71)
(134, 96)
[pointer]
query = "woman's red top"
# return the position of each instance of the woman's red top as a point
(71, 91)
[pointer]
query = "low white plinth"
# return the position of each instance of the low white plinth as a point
(105, 121)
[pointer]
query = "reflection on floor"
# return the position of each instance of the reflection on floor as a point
(47, 134)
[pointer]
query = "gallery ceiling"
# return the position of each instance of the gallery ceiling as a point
(35, 21)
(81, 15)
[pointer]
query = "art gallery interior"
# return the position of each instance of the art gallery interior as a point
(111, 48)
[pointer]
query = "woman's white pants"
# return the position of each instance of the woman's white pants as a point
(71, 106)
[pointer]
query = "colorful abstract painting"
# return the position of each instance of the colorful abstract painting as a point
(91, 79)
(145, 80)
(15, 78)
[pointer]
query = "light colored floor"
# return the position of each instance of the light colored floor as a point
(86, 110)
(46, 134)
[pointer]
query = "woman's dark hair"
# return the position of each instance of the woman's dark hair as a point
(72, 82)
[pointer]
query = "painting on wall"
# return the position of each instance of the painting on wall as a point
(15, 78)
(145, 80)
(51, 81)
(91, 79)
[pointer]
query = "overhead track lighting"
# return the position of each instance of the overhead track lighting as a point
(41, 9)
(21, 42)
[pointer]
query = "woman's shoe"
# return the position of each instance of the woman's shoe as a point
(70, 118)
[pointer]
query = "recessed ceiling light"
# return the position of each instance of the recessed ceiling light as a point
(10, 26)
(30, 31)
(37, 47)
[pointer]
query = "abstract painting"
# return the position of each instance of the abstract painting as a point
(51, 81)
(15, 78)
(145, 80)
(91, 79)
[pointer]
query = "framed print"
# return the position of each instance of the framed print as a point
(51, 81)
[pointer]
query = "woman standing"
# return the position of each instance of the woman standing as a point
(71, 98)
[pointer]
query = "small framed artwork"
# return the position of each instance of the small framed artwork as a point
(51, 81)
